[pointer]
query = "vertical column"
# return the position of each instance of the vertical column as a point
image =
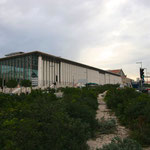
(58, 66)
(105, 79)
(64, 74)
(61, 73)
(52, 69)
(67, 71)
(40, 71)
(44, 72)
(50, 72)
(56, 72)
(69, 74)
(71, 82)
(48, 66)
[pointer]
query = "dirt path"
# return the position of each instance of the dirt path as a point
(102, 111)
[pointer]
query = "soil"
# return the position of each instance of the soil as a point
(104, 112)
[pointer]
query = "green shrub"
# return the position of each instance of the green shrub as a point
(133, 110)
(11, 84)
(25, 83)
(107, 126)
(40, 121)
(119, 144)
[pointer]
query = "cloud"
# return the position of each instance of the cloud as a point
(107, 34)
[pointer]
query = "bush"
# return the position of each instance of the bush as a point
(40, 121)
(82, 104)
(25, 83)
(11, 84)
(107, 126)
(119, 144)
(133, 110)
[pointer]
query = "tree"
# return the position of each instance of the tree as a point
(25, 83)
(11, 84)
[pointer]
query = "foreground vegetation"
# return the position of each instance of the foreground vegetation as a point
(40, 121)
(133, 110)
(119, 144)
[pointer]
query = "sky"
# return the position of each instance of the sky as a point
(107, 34)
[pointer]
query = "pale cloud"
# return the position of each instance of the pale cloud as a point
(106, 34)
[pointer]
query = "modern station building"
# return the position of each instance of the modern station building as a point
(43, 70)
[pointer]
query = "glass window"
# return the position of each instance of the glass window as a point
(25, 67)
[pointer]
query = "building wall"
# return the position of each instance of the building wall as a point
(73, 74)
(48, 71)
(44, 70)
(66, 74)
(112, 79)
(102, 79)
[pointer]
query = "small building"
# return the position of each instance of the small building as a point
(44, 70)
(126, 81)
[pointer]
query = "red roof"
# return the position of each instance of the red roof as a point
(115, 71)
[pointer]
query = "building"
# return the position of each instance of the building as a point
(44, 70)
(126, 81)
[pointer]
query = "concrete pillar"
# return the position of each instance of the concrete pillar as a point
(48, 76)
(50, 72)
(44, 72)
(61, 73)
(40, 71)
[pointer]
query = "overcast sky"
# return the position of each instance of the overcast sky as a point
(108, 34)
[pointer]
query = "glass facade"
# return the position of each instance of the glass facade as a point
(19, 67)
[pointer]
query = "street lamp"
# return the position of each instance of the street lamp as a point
(140, 62)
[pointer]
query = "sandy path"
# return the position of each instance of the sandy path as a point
(102, 111)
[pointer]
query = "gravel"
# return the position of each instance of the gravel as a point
(103, 139)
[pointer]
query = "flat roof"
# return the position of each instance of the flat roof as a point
(59, 59)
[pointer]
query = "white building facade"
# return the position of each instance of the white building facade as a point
(44, 70)
(64, 73)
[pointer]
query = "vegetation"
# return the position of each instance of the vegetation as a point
(25, 83)
(106, 87)
(40, 121)
(119, 144)
(11, 84)
(1, 82)
(133, 110)
(107, 126)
